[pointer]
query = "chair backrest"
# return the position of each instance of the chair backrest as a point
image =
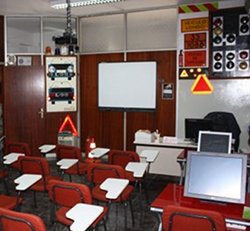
(70, 152)
(12, 220)
(119, 157)
(68, 194)
(97, 173)
(34, 165)
(225, 122)
(18, 147)
(177, 218)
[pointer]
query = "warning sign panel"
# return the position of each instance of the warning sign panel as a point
(202, 85)
(195, 58)
(194, 24)
(195, 41)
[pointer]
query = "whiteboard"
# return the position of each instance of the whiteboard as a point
(127, 86)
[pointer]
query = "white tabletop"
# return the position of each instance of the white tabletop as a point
(66, 163)
(83, 216)
(98, 152)
(114, 187)
(150, 155)
(12, 157)
(47, 148)
(26, 180)
(138, 168)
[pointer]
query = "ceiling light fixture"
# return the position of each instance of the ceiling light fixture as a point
(59, 4)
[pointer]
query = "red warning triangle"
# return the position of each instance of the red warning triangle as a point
(202, 85)
(68, 122)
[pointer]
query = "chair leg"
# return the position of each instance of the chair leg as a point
(132, 212)
(34, 198)
(6, 187)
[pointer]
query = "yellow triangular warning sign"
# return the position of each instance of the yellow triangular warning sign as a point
(202, 85)
(184, 74)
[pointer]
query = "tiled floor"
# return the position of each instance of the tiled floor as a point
(144, 219)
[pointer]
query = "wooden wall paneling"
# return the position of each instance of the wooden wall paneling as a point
(163, 118)
(1, 38)
(105, 126)
(23, 89)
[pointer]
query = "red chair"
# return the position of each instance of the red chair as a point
(176, 218)
(64, 195)
(119, 157)
(18, 147)
(12, 221)
(9, 202)
(37, 165)
(71, 152)
(97, 173)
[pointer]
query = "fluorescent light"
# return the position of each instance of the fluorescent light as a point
(78, 3)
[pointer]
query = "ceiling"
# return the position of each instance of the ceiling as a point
(42, 7)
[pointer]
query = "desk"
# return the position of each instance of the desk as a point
(47, 148)
(66, 163)
(98, 152)
(137, 168)
(165, 163)
(114, 186)
(173, 195)
(83, 215)
(11, 158)
(24, 182)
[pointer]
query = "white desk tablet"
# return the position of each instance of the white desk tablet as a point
(26, 180)
(114, 186)
(138, 168)
(83, 216)
(12, 157)
(150, 155)
(66, 163)
(47, 148)
(98, 152)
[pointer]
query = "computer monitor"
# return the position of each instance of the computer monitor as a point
(216, 177)
(194, 125)
(220, 142)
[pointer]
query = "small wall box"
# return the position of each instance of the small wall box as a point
(67, 138)
(144, 136)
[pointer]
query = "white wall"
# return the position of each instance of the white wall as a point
(229, 95)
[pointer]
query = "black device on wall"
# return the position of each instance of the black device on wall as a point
(194, 125)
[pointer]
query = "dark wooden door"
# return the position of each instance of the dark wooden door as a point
(23, 101)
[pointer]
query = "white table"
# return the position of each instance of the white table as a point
(47, 148)
(83, 215)
(66, 163)
(12, 157)
(98, 152)
(150, 155)
(114, 186)
(26, 180)
(138, 168)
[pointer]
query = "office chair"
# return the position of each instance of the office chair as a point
(17, 147)
(98, 173)
(121, 158)
(12, 221)
(176, 218)
(226, 122)
(64, 195)
(37, 165)
(10, 202)
(71, 152)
